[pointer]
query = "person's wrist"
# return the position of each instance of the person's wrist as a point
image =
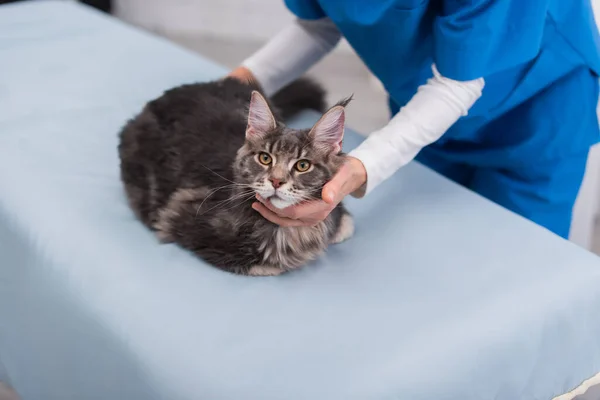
(359, 173)
(242, 74)
(358, 177)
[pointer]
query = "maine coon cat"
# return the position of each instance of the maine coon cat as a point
(194, 159)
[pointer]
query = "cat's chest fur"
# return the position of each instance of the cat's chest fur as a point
(291, 247)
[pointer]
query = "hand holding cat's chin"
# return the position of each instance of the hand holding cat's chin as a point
(349, 179)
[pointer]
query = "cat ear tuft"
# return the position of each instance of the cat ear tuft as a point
(328, 132)
(260, 118)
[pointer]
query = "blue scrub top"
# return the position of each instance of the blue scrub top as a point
(520, 47)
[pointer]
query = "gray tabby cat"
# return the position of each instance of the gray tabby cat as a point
(191, 174)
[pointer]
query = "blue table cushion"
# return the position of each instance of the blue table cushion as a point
(441, 295)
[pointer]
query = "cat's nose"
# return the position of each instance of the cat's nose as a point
(276, 182)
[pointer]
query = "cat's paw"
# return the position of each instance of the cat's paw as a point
(345, 230)
(264, 270)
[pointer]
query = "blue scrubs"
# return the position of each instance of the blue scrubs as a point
(525, 142)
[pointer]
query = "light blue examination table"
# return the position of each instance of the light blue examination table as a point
(441, 295)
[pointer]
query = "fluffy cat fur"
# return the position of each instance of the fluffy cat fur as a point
(193, 160)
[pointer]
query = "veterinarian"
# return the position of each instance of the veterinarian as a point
(497, 95)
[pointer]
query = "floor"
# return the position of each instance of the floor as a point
(592, 394)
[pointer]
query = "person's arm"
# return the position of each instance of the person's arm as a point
(472, 39)
(435, 107)
(290, 54)
(425, 118)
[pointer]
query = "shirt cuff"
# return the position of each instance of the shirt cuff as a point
(435, 107)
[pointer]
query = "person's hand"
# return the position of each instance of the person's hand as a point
(351, 176)
(242, 74)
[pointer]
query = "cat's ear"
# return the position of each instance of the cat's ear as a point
(328, 132)
(260, 118)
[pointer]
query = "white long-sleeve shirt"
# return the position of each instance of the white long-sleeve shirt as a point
(435, 107)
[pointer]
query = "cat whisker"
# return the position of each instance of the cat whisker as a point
(222, 177)
(207, 196)
(308, 197)
(237, 196)
(223, 204)
(212, 192)
(242, 202)
(243, 196)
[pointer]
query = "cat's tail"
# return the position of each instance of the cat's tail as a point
(302, 94)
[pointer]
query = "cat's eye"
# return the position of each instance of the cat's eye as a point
(265, 159)
(302, 166)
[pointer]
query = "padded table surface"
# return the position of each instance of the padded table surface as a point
(441, 295)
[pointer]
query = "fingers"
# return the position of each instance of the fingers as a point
(351, 176)
(330, 193)
(333, 191)
(315, 210)
(271, 207)
(276, 219)
(310, 212)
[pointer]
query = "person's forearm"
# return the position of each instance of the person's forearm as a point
(436, 106)
(291, 53)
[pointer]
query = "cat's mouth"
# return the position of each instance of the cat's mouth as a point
(273, 196)
(277, 197)
(280, 202)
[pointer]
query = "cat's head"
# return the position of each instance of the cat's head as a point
(288, 166)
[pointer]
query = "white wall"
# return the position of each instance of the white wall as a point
(252, 19)
(256, 20)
